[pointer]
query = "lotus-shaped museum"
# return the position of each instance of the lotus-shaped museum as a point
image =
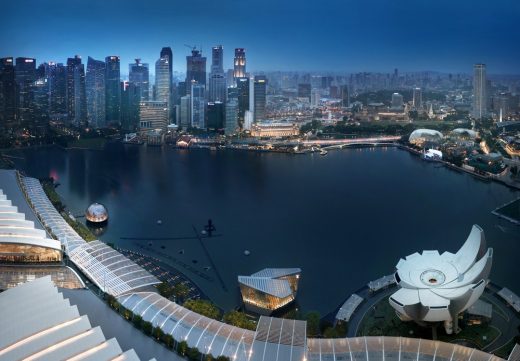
(437, 287)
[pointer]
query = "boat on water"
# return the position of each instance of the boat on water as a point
(323, 152)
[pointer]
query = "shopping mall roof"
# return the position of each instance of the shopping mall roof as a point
(15, 229)
(38, 323)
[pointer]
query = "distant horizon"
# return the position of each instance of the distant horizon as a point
(124, 66)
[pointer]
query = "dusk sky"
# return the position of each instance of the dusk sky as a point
(326, 35)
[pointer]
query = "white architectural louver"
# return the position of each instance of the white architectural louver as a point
(437, 287)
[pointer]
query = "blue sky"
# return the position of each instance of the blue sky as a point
(325, 35)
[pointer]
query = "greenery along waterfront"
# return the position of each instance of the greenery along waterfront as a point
(49, 188)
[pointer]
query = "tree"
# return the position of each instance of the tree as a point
(222, 358)
(193, 353)
(182, 347)
(165, 290)
(168, 340)
(313, 323)
(127, 314)
(239, 319)
(138, 321)
(147, 327)
(158, 333)
(181, 291)
(203, 307)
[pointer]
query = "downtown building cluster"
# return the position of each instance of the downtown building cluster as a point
(93, 95)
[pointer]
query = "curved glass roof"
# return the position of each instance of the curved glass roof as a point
(106, 267)
(208, 335)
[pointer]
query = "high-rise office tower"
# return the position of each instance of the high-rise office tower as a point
(259, 94)
(40, 107)
(7, 94)
(138, 75)
(304, 91)
(479, 91)
(196, 68)
(397, 101)
(345, 96)
(76, 100)
(217, 78)
(95, 91)
(166, 52)
(25, 74)
(58, 92)
(315, 98)
(162, 80)
(185, 116)
(417, 98)
(113, 89)
(231, 116)
(130, 101)
(215, 115)
(153, 115)
(239, 70)
(243, 99)
(197, 105)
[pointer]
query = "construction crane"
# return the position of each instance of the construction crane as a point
(193, 48)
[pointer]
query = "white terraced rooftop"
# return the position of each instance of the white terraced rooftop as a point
(105, 267)
(15, 229)
(271, 281)
(39, 324)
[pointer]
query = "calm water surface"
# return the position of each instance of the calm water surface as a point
(345, 219)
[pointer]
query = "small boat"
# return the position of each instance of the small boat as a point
(247, 252)
(207, 268)
(323, 152)
(159, 222)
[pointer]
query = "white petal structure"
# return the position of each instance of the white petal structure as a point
(437, 287)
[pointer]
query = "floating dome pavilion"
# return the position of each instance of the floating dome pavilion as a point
(96, 213)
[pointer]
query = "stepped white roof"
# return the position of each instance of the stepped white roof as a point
(39, 324)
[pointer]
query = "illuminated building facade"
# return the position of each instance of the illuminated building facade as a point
(20, 241)
(239, 65)
(139, 76)
(269, 289)
(7, 93)
(195, 68)
(153, 115)
(25, 71)
(112, 90)
(76, 99)
(95, 90)
(274, 130)
(259, 94)
(479, 91)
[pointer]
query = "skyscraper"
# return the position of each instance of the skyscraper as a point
(162, 80)
(197, 105)
(76, 100)
(259, 94)
(95, 92)
(217, 78)
(25, 74)
(215, 115)
(304, 91)
(113, 91)
(239, 70)
(231, 116)
(7, 93)
(130, 102)
(243, 99)
(397, 101)
(479, 91)
(196, 68)
(417, 98)
(58, 92)
(345, 96)
(166, 52)
(138, 75)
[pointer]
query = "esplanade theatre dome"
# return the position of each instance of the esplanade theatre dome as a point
(420, 136)
(96, 213)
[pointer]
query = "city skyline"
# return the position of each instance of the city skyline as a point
(306, 38)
